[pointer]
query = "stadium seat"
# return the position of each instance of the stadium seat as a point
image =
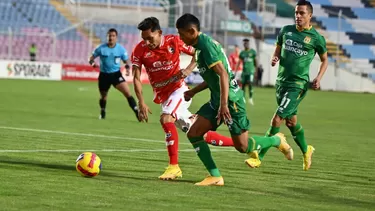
(359, 51)
(143, 3)
(365, 13)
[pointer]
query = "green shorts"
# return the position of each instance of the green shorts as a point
(288, 99)
(247, 78)
(237, 110)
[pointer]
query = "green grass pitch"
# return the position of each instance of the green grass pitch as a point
(45, 125)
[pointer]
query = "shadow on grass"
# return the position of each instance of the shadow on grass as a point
(8, 162)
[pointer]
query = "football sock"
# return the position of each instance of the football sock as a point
(216, 139)
(250, 91)
(298, 134)
(204, 154)
(132, 104)
(103, 104)
(171, 139)
(271, 131)
(261, 142)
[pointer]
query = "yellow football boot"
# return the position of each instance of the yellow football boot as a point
(171, 173)
(211, 181)
(307, 157)
(253, 161)
(284, 147)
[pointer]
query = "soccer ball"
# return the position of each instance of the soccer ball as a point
(88, 164)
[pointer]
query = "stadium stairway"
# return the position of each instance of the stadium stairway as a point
(74, 20)
(331, 46)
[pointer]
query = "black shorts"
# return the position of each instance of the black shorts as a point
(105, 80)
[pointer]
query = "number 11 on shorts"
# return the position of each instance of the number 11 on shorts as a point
(285, 101)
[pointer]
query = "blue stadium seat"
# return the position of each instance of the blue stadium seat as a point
(361, 38)
(322, 2)
(365, 13)
(143, 3)
(359, 51)
(332, 24)
(253, 17)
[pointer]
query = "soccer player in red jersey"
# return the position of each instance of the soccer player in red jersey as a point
(160, 55)
(234, 59)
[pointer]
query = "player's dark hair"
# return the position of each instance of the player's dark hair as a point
(149, 23)
(112, 30)
(187, 20)
(306, 3)
(246, 40)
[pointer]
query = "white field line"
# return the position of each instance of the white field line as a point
(95, 136)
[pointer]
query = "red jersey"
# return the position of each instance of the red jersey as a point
(233, 60)
(162, 65)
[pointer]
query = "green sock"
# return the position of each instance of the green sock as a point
(298, 134)
(261, 142)
(271, 131)
(251, 91)
(204, 153)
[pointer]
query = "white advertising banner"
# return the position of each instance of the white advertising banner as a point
(30, 70)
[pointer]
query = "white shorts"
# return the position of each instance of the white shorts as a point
(237, 75)
(178, 108)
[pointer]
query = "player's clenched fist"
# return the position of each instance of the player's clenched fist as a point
(274, 61)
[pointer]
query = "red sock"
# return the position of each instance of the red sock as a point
(171, 139)
(216, 139)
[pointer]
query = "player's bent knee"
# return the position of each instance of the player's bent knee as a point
(165, 118)
(276, 121)
(290, 123)
(194, 132)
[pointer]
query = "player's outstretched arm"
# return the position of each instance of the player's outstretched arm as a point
(137, 83)
(322, 70)
(190, 93)
(276, 55)
(200, 87)
(143, 108)
(189, 69)
(224, 91)
(238, 63)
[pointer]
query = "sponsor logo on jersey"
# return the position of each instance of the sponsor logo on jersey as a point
(172, 79)
(202, 70)
(171, 49)
(307, 39)
(148, 55)
(295, 47)
(157, 64)
(289, 33)
(162, 65)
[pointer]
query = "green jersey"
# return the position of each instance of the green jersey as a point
(298, 49)
(208, 53)
(248, 59)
